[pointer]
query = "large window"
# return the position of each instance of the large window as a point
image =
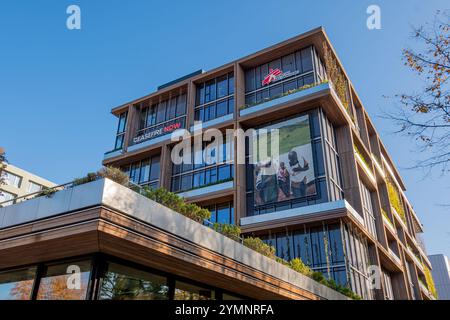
(222, 212)
(279, 76)
(369, 217)
(67, 281)
(17, 284)
(121, 128)
(160, 118)
(358, 261)
(34, 187)
(145, 172)
(214, 98)
(12, 179)
(6, 196)
(320, 248)
(125, 283)
(211, 164)
(105, 278)
(187, 291)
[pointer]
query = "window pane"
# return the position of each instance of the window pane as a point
(230, 105)
(119, 141)
(17, 285)
(154, 171)
(34, 187)
(223, 214)
(181, 105)
(151, 116)
(55, 283)
(222, 108)
(222, 87)
(231, 83)
(124, 283)
(185, 291)
(186, 182)
(145, 171)
(171, 109)
(122, 122)
(307, 59)
(161, 115)
(224, 173)
(200, 94)
(199, 179)
(134, 173)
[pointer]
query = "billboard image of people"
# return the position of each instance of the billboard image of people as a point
(290, 173)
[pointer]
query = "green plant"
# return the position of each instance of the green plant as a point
(337, 77)
(430, 282)
(259, 246)
(115, 174)
(395, 199)
(91, 176)
(178, 204)
(229, 230)
(3, 163)
(46, 192)
(298, 265)
(112, 173)
(283, 94)
(361, 156)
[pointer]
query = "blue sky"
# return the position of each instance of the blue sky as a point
(57, 86)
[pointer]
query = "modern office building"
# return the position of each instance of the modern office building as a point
(334, 198)
(441, 275)
(18, 183)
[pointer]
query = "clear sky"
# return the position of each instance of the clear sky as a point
(57, 86)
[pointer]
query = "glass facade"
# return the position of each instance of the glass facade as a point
(210, 164)
(145, 172)
(120, 282)
(282, 75)
(320, 248)
(17, 284)
(309, 175)
(121, 129)
(34, 187)
(369, 217)
(160, 118)
(222, 212)
(335, 250)
(12, 179)
(59, 281)
(214, 98)
(117, 280)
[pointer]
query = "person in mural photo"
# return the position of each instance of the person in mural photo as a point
(298, 180)
(266, 181)
(290, 174)
(283, 178)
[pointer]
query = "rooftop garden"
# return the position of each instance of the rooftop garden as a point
(201, 215)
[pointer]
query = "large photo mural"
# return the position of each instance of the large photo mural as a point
(290, 173)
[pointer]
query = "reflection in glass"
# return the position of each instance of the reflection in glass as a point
(125, 283)
(59, 283)
(185, 291)
(17, 284)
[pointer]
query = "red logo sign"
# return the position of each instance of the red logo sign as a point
(273, 74)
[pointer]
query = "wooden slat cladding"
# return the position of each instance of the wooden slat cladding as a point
(103, 230)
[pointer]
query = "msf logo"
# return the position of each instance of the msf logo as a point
(272, 76)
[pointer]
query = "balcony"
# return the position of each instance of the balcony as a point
(123, 203)
(290, 96)
(112, 154)
(395, 257)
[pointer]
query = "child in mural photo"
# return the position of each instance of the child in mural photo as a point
(284, 180)
(298, 180)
